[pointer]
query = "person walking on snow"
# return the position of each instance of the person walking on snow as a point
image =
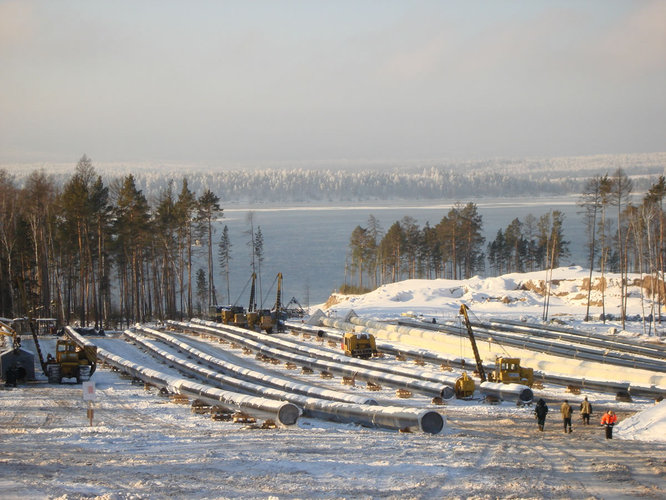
(585, 411)
(609, 420)
(541, 411)
(566, 411)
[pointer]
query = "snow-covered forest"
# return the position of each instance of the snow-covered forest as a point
(346, 181)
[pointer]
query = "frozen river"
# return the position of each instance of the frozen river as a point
(309, 244)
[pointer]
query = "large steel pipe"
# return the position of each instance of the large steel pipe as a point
(421, 374)
(623, 344)
(391, 348)
(242, 337)
(246, 374)
(507, 392)
(655, 390)
(389, 417)
(283, 413)
(557, 347)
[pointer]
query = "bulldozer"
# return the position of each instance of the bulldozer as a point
(71, 361)
(359, 345)
(509, 371)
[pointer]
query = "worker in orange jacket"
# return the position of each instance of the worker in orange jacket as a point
(609, 420)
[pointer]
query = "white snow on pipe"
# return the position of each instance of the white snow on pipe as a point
(285, 413)
(509, 392)
(391, 417)
(76, 337)
(381, 345)
(423, 374)
(259, 377)
(556, 365)
(420, 386)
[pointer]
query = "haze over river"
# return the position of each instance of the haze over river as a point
(309, 244)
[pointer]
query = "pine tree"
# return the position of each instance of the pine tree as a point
(209, 209)
(185, 209)
(224, 253)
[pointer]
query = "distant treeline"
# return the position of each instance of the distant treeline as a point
(431, 181)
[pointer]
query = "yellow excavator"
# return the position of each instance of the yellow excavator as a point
(507, 370)
(70, 361)
(8, 331)
(259, 318)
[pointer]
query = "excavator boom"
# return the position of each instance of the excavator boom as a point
(477, 357)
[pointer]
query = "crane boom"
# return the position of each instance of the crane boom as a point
(278, 297)
(477, 357)
(253, 303)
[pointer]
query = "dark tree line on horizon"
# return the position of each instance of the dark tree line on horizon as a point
(431, 180)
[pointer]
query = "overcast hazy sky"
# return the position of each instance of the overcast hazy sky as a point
(225, 82)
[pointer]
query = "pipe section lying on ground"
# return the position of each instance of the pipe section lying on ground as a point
(652, 390)
(556, 347)
(507, 392)
(389, 417)
(421, 374)
(384, 346)
(285, 386)
(258, 343)
(607, 341)
(282, 412)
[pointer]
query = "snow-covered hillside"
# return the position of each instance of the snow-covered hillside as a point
(522, 296)
(518, 296)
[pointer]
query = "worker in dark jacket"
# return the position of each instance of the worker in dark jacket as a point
(609, 420)
(541, 411)
(585, 411)
(566, 411)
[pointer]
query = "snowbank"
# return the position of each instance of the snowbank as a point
(648, 425)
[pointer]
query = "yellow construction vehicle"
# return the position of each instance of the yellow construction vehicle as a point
(8, 331)
(509, 371)
(465, 386)
(71, 361)
(266, 319)
(230, 315)
(359, 345)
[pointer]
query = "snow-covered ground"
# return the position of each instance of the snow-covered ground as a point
(143, 445)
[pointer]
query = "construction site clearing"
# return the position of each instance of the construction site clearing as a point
(145, 442)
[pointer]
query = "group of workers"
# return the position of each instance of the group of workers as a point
(608, 420)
